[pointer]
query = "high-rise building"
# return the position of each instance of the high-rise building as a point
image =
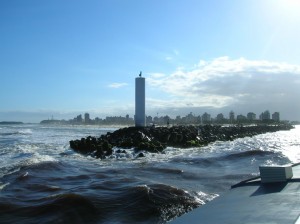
(241, 117)
(276, 116)
(87, 118)
(206, 118)
(140, 115)
(78, 118)
(231, 116)
(265, 116)
(251, 116)
(220, 117)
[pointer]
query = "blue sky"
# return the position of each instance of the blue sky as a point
(64, 58)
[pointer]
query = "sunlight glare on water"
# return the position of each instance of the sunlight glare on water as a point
(291, 144)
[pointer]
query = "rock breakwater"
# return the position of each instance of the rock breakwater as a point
(156, 139)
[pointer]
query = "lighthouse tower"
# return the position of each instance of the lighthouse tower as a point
(140, 116)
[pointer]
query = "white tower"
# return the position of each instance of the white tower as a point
(140, 116)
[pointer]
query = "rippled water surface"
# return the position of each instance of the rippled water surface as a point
(43, 181)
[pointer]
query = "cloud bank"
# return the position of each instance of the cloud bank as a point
(241, 84)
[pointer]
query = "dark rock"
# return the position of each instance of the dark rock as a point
(156, 139)
(141, 155)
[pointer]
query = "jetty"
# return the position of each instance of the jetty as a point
(156, 139)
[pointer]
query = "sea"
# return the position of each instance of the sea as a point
(42, 180)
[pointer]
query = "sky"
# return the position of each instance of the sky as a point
(64, 58)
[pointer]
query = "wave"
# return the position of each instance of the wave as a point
(265, 157)
(249, 153)
(203, 162)
(40, 161)
(156, 203)
(65, 208)
(2, 186)
(19, 132)
(165, 170)
(217, 158)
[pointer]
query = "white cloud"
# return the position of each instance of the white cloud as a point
(116, 85)
(204, 101)
(156, 75)
(224, 82)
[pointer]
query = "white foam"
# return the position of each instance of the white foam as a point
(25, 132)
(41, 158)
(202, 198)
(2, 186)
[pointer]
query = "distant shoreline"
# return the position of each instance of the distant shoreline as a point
(10, 122)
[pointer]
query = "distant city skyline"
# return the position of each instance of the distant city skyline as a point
(190, 118)
(63, 58)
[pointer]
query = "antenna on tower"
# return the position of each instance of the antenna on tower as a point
(140, 74)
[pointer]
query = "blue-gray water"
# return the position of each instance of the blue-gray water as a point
(43, 181)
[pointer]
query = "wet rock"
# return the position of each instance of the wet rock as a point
(140, 155)
(121, 151)
(156, 139)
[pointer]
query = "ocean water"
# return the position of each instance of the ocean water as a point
(42, 180)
